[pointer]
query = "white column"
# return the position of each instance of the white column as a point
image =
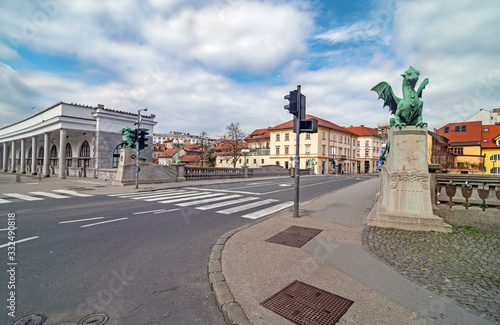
(23, 156)
(13, 157)
(4, 157)
(34, 154)
(46, 144)
(62, 153)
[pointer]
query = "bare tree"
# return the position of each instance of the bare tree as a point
(235, 141)
(204, 148)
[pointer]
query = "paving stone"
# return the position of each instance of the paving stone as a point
(462, 265)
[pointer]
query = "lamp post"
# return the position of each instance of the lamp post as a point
(178, 144)
(138, 169)
(245, 154)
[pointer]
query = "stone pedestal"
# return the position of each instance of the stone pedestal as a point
(404, 199)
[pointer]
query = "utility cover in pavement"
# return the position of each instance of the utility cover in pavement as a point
(95, 319)
(31, 320)
(294, 236)
(307, 305)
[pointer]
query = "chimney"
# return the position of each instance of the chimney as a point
(100, 106)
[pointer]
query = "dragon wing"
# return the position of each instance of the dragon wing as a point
(384, 91)
(422, 86)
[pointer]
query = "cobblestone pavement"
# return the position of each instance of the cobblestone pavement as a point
(463, 265)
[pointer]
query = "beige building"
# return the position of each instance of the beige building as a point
(369, 148)
(332, 150)
(259, 145)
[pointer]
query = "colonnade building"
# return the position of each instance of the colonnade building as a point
(68, 139)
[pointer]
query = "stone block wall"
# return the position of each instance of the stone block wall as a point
(106, 144)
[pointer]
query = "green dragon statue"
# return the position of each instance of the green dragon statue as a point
(406, 110)
(127, 137)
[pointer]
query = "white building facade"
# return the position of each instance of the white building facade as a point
(68, 139)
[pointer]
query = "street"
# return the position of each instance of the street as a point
(137, 257)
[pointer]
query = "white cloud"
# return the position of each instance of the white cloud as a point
(359, 31)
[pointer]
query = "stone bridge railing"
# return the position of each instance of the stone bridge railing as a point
(191, 173)
(467, 190)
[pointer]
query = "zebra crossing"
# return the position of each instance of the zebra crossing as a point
(40, 195)
(223, 202)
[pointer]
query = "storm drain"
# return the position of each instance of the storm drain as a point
(94, 319)
(31, 320)
(307, 305)
(294, 236)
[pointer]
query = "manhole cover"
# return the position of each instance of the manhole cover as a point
(31, 320)
(95, 319)
(307, 305)
(294, 236)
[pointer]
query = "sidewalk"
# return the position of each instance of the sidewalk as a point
(252, 270)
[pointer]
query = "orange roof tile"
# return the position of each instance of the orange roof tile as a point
(259, 134)
(168, 153)
(363, 130)
(321, 122)
(492, 133)
(471, 135)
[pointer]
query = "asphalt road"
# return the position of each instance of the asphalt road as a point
(138, 258)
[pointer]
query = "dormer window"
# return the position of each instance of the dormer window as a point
(460, 128)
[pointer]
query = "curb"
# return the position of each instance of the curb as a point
(232, 311)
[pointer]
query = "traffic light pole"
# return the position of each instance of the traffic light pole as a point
(297, 158)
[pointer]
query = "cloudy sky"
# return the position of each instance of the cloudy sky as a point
(199, 65)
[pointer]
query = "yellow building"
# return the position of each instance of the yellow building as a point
(259, 145)
(333, 149)
(490, 146)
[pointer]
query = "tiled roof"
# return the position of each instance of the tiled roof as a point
(168, 153)
(190, 158)
(363, 130)
(226, 145)
(259, 134)
(473, 133)
(321, 122)
(493, 133)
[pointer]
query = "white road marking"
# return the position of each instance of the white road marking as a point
(268, 211)
(51, 195)
(174, 196)
(23, 197)
(215, 199)
(231, 191)
(4, 201)
(226, 203)
(129, 195)
(81, 220)
(6, 229)
(246, 206)
(19, 241)
(190, 198)
(165, 211)
(72, 193)
(102, 222)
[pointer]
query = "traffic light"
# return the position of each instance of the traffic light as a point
(133, 136)
(292, 106)
(142, 139)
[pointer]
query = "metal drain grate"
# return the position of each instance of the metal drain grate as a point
(294, 236)
(307, 305)
(31, 320)
(95, 319)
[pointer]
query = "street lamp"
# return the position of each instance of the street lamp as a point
(178, 144)
(245, 153)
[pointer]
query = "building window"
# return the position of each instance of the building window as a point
(323, 150)
(68, 154)
(308, 136)
(486, 130)
(84, 160)
(116, 155)
(53, 156)
(324, 135)
(495, 170)
(367, 143)
(286, 150)
(457, 151)
(367, 152)
(460, 128)
(277, 137)
(255, 161)
(287, 136)
(446, 130)
(308, 150)
(485, 140)
(495, 157)
(277, 150)
(262, 161)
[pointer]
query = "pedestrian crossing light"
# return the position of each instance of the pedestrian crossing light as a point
(292, 105)
(142, 138)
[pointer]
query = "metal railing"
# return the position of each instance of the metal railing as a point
(212, 172)
(482, 190)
